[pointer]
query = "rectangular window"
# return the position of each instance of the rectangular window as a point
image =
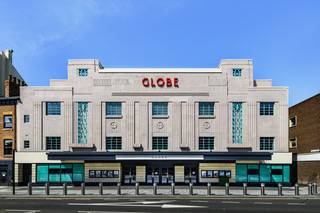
(236, 72)
(266, 143)
(160, 143)
(113, 143)
(113, 109)
(53, 108)
(159, 109)
(206, 143)
(266, 108)
(7, 121)
(237, 123)
(206, 108)
(26, 144)
(293, 121)
(53, 143)
(26, 118)
(7, 149)
(293, 143)
(83, 72)
(82, 122)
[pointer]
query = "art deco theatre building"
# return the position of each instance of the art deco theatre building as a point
(150, 125)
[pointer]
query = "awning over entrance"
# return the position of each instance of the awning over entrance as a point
(198, 156)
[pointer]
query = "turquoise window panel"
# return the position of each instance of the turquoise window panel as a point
(42, 173)
(286, 173)
(83, 122)
(237, 123)
(241, 173)
(236, 72)
(265, 172)
(253, 166)
(54, 177)
(78, 172)
(66, 177)
(253, 178)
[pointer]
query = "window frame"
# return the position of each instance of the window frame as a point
(58, 146)
(291, 140)
(114, 112)
(5, 148)
(205, 114)
(83, 72)
(237, 72)
(263, 146)
(162, 111)
(5, 123)
(265, 109)
(26, 118)
(54, 113)
(203, 140)
(296, 121)
(116, 143)
(156, 144)
(26, 142)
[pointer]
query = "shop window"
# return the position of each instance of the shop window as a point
(7, 121)
(26, 144)
(159, 109)
(26, 118)
(83, 72)
(159, 143)
(236, 72)
(53, 143)
(266, 108)
(42, 173)
(7, 149)
(53, 108)
(265, 171)
(267, 143)
(113, 143)
(253, 173)
(82, 122)
(237, 123)
(113, 109)
(206, 143)
(293, 121)
(206, 108)
(241, 173)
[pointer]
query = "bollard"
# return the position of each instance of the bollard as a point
(64, 189)
(315, 188)
(30, 188)
(172, 189)
(154, 188)
(119, 188)
(296, 189)
(227, 190)
(137, 188)
(244, 189)
(209, 189)
(83, 189)
(262, 189)
(191, 189)
(309, 189)
(279, 189)
(100, 188)
(47, 188)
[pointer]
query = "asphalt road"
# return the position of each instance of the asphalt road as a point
(135, 205)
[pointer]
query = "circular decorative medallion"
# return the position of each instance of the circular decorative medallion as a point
(206, 125)
(160, 125)
(113, 125)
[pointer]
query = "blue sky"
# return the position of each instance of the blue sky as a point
(282, 37)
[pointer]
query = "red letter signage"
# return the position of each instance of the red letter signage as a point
(160, 82)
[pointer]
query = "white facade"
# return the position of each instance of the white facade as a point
(183, 126)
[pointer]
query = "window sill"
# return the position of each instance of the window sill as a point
(7, 129)
(160, 116)
(113, 116)
(207, 116)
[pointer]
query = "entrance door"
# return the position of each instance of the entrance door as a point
(26, 169)
(190, 174)
(160, 175)
(3, 174)
(129, 175)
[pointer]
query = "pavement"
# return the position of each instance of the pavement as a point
(144, 205)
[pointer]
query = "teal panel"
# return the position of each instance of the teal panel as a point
(241, 173)
(66, 166)
(42, 173)
(253, 178)
(276, 166)
(66, 177)
(253, 166)
(286, 173)
(54, 166)
(54, 177)
(78, 172)
(265, 173)
(276, 178)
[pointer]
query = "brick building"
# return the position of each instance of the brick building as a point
(10, 81)
(304, 139)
